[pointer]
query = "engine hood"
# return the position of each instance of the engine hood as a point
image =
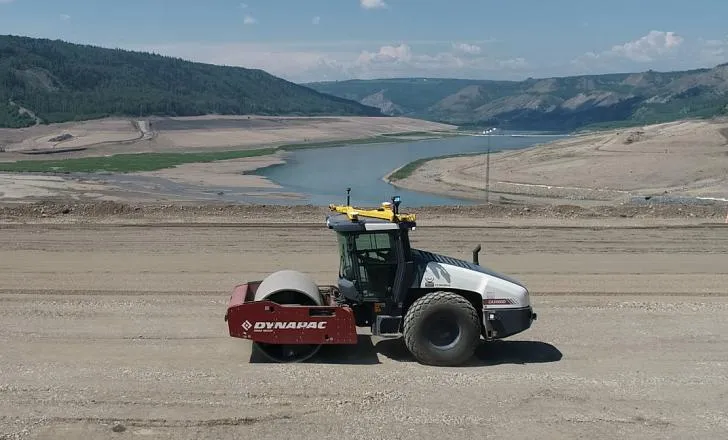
(422, 258)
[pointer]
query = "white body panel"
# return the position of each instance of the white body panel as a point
(511, 296)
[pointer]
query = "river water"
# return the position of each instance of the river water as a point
(321, 175)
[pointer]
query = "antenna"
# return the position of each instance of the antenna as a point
(396, 200)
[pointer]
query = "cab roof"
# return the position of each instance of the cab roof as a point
(342, 223)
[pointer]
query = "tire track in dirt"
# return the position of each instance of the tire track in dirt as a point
(107, 326)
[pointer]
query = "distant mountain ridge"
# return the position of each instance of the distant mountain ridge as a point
(559, 103)
(60, 81)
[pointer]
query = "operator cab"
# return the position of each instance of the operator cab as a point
(375, 263)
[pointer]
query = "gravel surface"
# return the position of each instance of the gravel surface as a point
(117, 332)
(478, 215)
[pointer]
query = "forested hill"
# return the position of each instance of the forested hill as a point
(61, 81)
(560, 103)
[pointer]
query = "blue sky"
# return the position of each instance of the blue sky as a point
(307, 40)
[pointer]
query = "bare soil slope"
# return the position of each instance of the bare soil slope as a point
(687, 158)
(111, 136)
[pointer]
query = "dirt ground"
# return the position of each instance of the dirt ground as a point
(684, 158)
(228, 173)
(115, 330)
(69, 135)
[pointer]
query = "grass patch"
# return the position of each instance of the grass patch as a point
(126, 163)
(328, 144)
(407, 170)
(406, 134)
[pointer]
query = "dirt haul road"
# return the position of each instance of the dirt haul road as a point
(120, 328)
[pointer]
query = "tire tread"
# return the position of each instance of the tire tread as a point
(421, 305)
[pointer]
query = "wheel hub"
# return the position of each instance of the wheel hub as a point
(442, 332)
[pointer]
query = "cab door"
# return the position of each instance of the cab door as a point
(377, 260)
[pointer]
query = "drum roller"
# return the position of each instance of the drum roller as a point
(288, 287)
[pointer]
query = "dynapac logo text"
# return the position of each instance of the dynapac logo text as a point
(290, 325)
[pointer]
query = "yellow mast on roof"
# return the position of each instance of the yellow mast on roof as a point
(385, 213)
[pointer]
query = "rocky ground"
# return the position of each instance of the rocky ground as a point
(50, 212)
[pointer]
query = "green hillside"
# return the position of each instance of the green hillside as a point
(564, 103)
(60, 81)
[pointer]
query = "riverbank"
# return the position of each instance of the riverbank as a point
(179, 158)
(148, 177)
(681, 159)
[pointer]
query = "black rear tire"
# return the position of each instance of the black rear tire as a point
(442, 329)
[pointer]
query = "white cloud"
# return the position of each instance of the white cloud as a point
(65, 17)
(713, 52)
(316, 20)
(249, 19)
(386, 54)
(403, 60)
(243, 6)
(471, 49)
(6, 1)
(372, 4)
(304, 61)
(657, 50)
(300, 63)
(651, 47)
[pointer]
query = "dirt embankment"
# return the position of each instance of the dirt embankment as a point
(483, 215)
(686, 159)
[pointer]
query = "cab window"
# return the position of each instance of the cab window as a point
(377, 263)
(346, 266)
(375, 247)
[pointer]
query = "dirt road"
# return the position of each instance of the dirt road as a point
(122, 326)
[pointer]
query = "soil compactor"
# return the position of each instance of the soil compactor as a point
(441, 306)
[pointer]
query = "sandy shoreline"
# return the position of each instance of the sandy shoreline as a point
(228, 173)
(686, 158)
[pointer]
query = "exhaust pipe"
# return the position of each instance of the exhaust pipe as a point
(475, 255)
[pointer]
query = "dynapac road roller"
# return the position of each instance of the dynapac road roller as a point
(441, 306)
